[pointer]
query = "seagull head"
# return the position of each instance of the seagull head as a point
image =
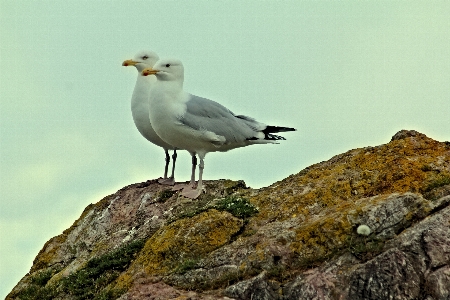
(142, 60)
(166, 70)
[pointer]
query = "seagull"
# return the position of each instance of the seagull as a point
(197, 124)
(140, 108)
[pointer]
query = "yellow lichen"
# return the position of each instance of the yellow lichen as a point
(396, 167)
(190, 238)
(324, 194)
(46, 256)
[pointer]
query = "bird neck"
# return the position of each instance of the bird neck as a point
(141, 91)
(170, 91)
(143, 85)
(171, 86)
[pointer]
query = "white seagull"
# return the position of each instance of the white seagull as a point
(197, 124)
(140, 108)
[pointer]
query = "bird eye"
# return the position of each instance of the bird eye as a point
(144, 57)
(167, 65)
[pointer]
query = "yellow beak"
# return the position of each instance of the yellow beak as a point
(129, 62)
(149, 71)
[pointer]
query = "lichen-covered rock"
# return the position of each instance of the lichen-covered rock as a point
(296, 239)
(177, 247)
(386, 216)
(402, 134)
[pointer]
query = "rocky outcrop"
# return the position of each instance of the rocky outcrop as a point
(295, 239)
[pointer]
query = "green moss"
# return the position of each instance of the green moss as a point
(42, 278)
(165, 195)
(233, 186)
(188, 212)
(37, 289)
(426, 168)
(90, 282)
(238, 207)
(439, 181)
(365, 248)
(249, 232)
(35, 292)
(192, 208)
(99, 272)
(186, 265)
(277, 272)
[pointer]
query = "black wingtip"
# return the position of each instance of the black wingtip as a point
(275, 129)
(268, 136)
(273, 137)
(269, 133)
(269, 130)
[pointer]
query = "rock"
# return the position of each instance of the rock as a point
(295, 239)
(438, 283)
(257, 288)
(313, 284)
(437, 245)
(406, 133)
(389, 276)
(390, 215)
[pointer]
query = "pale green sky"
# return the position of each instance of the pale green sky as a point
(346, 74)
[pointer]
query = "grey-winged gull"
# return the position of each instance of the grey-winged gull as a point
(140, 108)
(197, 124)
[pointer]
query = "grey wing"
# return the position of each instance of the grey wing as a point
(205, 114)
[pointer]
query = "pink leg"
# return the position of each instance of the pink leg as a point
(192, 192)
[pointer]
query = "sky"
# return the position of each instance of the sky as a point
(346, 74)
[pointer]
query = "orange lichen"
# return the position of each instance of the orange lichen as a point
(323, 194)
(394, 167)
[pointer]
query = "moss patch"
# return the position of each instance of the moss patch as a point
(164, 195)
(436, 182)
(186, 265)
(90, 282)
(237, 206)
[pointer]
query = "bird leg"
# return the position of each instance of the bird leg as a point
(201, 166)
(170, 180)
(191, 184)
(194, 166)
(166, 168)
(192, 192)
(174, 159)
